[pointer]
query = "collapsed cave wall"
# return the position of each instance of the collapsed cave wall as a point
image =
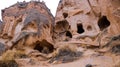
(27, 24)
(91, 22)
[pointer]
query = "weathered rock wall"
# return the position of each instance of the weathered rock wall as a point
(91, 22)
(31, 36)
(27, 24)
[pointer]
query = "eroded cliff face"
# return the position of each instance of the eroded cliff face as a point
(83, 30)
(91, 22)
(27, 24)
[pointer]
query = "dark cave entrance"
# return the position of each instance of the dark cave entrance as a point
(65, 15)
(80, 28)
(103, 23)
(44, 47)
(68, 34)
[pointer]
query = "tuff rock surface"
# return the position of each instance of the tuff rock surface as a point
(27, 24)
(85, 33)
(88, 21)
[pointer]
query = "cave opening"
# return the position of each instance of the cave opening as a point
(44, 47)
(62, 26)
(68, 34)
(80, 28)
(103, 23)
(65, 15)
(89, 28)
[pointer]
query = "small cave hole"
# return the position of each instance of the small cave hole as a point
(103, 23)
(68, 33)
(62, 26)
(63, 23)
(65, 15)
(2, 11)
(89, 28)
(80, 28)
(44, 47)
(38, 47)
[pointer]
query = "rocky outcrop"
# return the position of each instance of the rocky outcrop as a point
(82, 30)
(27, 24)
(91, 22)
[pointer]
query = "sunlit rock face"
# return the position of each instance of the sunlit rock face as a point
(27, 24)
(83, 32)
(91, 22)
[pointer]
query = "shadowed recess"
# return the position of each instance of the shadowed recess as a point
(65, 15)
(80, 28)
(44, 46)
(116, 49)
(68, 33)
(103, 23)
(62, 26)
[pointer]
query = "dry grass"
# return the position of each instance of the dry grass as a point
(12, 55)
(10, 63)
(70, 47)
(66, 47)
(8, 58)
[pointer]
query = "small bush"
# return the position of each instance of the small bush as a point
(13, 54)
(66, 53)
(8, 58)
(10, 63)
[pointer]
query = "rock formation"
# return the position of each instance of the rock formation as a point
(27, 24)
(83, 30)
(91, 22)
